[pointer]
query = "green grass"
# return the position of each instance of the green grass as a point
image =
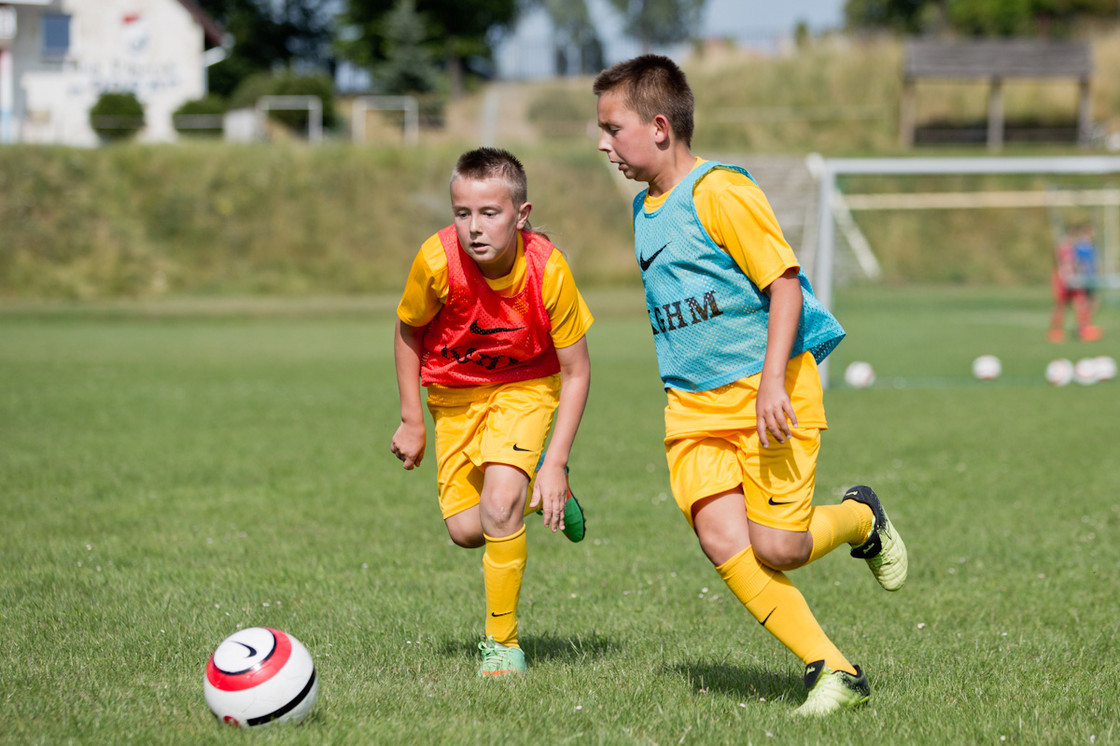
(171, 476)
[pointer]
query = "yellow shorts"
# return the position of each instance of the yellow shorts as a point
(503, 424)
(777, 482)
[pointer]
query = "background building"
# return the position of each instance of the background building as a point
(58, 56)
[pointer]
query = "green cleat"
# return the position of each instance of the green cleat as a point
(831, 691)
(575, 526)
(499, 660)
(884, 551)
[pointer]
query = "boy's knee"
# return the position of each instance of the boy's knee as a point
(784, 555)
(503, 508)
(468, 539)
(498, 513)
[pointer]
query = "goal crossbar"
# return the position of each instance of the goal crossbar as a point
(981, 200)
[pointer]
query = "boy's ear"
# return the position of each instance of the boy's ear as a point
(662, 130)
(523, 214)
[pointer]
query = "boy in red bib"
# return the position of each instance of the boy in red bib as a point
(491, 322)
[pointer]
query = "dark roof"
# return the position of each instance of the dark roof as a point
(213, 33)
(997, 59)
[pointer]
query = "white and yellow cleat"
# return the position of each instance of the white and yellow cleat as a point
(884, 551)
(831, 691)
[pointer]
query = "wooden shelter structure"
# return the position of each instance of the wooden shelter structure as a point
(994, 61)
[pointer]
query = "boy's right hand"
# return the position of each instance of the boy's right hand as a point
(408, 444)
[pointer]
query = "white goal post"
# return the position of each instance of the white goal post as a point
(313, 105)
(406, 104)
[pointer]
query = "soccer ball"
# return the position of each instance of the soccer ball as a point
(986, 367)
(1106, 368)
(1086, 371)
(859, 375)
(1059, 372)
(259, 676)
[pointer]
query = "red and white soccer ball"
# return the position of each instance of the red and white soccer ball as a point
(987, 367)
(859, 375)
(259, 676)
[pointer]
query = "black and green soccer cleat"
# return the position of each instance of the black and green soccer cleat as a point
(831, 691)
(884, 551)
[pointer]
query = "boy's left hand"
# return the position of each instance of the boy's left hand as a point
(550, 492)
(774, 413)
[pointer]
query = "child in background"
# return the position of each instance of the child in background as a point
(738, 336)
(491, 322)
(1074, 283)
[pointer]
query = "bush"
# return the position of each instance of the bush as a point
(201, 117)
(116, 116)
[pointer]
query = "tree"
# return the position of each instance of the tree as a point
(409, 66)
(454, 30)
(991, 17)
(270, 33)
(660, 21)
(897, 15)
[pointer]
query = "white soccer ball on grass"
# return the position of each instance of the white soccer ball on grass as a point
(259, 676)
(1059, 372)
(859, 375)
(1106, 368)
(1086, 371)
(987, 367)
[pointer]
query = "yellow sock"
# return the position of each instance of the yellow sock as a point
(850, 522)
(503, 565)
(779, 607)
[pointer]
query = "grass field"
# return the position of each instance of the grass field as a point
(171, 474)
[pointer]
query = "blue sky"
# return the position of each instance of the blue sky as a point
(747, 18)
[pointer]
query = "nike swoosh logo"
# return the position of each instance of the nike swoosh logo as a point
(504, 613)
(764, 621)
(644, 262)
(774, 502)
(495, 330)
(519, 448)
(252, 650)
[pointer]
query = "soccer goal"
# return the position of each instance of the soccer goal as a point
(1097, 194)
(407, 105)
(313, 105)
(965, 187)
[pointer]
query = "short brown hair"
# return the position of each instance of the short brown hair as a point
(652, 85)
(494, 163)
